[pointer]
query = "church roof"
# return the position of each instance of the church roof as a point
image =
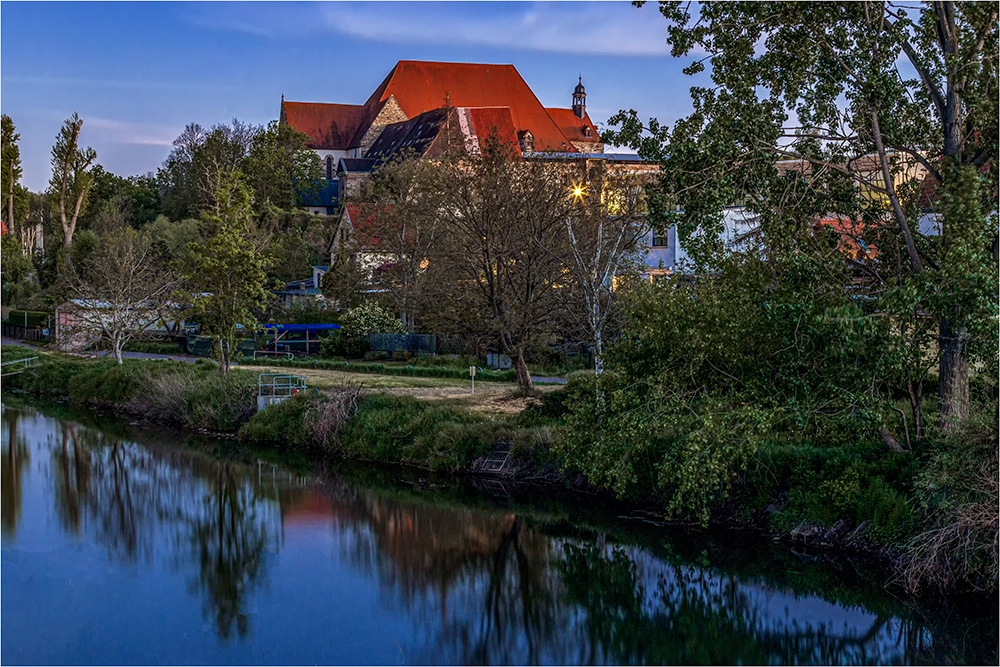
(414, 135)
(329, 126)
(420, 86)
(572, 127)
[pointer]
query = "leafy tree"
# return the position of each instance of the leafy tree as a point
(128, 288)
(115, 201)
(278, 162)
(230, 270)
(176, 240)
(15, 266)
(830, 86)
(72, 176)
(192, 174)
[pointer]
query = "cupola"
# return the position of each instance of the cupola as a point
(580, 99)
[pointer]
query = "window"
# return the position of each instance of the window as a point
(329, 167)
(660, 240)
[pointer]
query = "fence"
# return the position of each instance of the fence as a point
(414, 343)
(26, 333)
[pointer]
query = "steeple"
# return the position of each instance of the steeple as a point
(580, 99)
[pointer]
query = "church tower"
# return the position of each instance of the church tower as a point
(580, 99)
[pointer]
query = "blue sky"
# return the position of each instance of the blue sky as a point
(137, 73)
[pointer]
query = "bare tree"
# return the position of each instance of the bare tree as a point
(402, 231)
(605, 226)
(498, 264)
(127, 289)
(71, 175)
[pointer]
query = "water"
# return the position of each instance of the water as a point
(120, 547)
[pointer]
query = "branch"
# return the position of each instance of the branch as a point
(925, 76)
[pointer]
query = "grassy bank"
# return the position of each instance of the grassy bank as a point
(376, 368)
(932, 511)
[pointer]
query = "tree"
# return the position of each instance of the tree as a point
(71, 175)
(192, 174)
(346, 280)
(874, 93)
(403, 230)
(230, 270)
(278, 163)
(126, 289)
(13, 197)
(499, 258)
(606, 223)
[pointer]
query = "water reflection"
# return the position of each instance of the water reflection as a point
(449, 583)
(14, 459)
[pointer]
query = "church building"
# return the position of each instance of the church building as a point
(417, 100)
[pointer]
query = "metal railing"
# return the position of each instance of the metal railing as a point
(280, 385)
(414, 343)
(10, 367)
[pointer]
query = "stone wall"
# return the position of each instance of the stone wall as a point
(390, 113)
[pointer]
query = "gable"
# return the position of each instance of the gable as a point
(419, 86)
(329, 126)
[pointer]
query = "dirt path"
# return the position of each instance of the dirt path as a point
(492, 397)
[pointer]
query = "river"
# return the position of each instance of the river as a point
(125, 546)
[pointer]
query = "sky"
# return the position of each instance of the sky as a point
(137, 73)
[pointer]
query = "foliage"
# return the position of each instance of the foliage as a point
(13, 197)
(368, 318)
(870, 148)
(230, 271)
(278, 162)
(16, 266)
(115, 201)
(175, 239)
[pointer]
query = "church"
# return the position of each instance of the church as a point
(422, 106)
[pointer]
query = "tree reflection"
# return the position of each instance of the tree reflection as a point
(489, 576)
(689, 615)
(14, 461)
(72, 476)
(230, 544)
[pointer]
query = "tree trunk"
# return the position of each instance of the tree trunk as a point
(916, 392)
(953, 380)
(523, 376)
(117, 343)
(598, 353)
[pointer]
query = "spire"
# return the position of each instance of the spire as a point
(580, 99)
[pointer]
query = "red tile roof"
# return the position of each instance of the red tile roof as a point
(572, 127)
(487, 119)
(420, 86)
(329, 126)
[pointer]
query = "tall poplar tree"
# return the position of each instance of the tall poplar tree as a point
(72, 175)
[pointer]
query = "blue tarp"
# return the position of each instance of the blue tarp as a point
(302, 327)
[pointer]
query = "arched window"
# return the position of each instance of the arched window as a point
(329, 167)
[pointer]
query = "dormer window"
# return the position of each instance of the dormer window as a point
(586, 131)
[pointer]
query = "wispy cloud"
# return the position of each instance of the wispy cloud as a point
(31, 80)
(606, 28)
(127, 132)
(597, 28)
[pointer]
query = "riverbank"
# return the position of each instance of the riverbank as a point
(861, 498)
